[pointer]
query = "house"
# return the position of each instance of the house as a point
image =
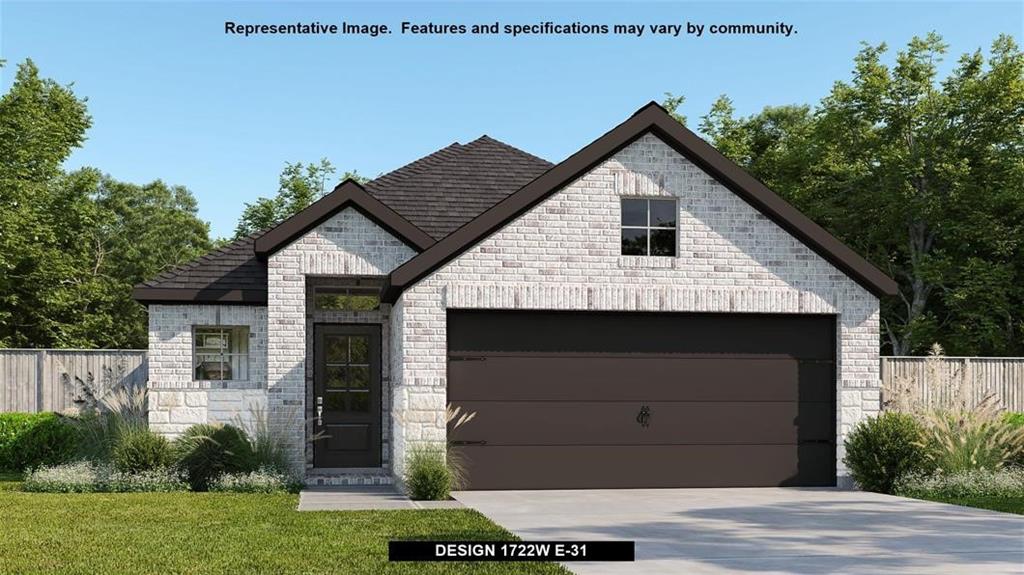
(642, 314)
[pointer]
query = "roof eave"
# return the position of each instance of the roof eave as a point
(148, 295)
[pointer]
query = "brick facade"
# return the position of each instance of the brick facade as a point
(175, 400)
(565, 254)
(562, 254)
(346, 244)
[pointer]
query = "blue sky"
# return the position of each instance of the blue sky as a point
(172, 97)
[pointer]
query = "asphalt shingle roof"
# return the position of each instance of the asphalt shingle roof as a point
(437, 193)
(443, 191)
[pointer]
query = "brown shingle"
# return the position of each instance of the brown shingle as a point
(437, 193)
(443, 191)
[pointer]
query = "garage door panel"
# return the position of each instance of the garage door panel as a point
(670, 423)
(733, 399)
(619, 378)
(601, 467)
(804, 336)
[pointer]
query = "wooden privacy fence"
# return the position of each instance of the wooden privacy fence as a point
(45, 379)
(941, 381)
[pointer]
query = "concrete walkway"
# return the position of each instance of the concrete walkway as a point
(769, 530)
(362, 499)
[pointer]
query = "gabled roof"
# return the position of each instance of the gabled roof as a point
(447, 189)
(347, 194)
(654, 119)
(439, 192)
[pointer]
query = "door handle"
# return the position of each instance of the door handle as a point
(320, 411)
(644, 417)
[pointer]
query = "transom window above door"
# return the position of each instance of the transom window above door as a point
(348, 294)
(347, 372)
(649, 227)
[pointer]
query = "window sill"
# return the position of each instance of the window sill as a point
(225, 384)
(647, 262)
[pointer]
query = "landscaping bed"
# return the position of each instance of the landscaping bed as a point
(1004, 504)
(189, 532)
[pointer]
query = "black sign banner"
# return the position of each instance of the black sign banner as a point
(502, 551)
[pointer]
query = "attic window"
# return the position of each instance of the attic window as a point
(350, 294)
(649, 227)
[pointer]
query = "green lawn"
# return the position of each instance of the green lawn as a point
(1005, 504)
(221, 533)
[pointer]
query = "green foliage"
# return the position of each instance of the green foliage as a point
(207, 451)
(269, 451)
(73, 245)
(140, 450)
(89, 477)
(978, 438)
(29, 440)
(259, 481)
(883, 448)
(427, 476)
(299, 186)
(920, 174)
(1015, 418)
(104, 419)
(1003, 483)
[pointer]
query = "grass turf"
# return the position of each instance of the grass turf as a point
(222, 533)
(1004, 504)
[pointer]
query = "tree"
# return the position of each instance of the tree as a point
(299, 186)
(922, 176)
(73, 245)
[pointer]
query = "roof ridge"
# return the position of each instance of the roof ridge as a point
(510, 147)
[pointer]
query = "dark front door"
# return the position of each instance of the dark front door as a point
(610, 400)
(346, 396)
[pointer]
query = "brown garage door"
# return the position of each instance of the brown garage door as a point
(570, 400)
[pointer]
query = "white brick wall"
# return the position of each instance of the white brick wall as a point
(347, 244)
(565, 254)
(175, 400)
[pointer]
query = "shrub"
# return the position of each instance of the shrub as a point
(268, 447)
(140, 450)
(973, 483)
(978, 438)
(77, 477)
(883, 448)
(102, 422)
(263, 480)
(29, 440)
(159, 480)
(1014, 418)
(90, 477)
(427, 476)
(206, 451)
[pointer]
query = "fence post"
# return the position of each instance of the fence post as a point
(968, 375)
(40, 376)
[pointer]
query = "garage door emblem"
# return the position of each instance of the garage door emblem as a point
(644, 417)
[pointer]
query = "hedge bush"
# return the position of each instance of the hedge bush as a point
(1003, 483)
(882, 449)
(140, 450)
(90, 477)
(30, 440)
(207, 451)
(427, 476)
(264, 480)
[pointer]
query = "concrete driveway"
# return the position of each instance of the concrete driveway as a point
(768, 530)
